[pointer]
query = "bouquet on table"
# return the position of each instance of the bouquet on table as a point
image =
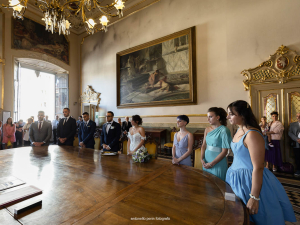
(141, 155)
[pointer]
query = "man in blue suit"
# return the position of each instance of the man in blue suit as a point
(86, 132)
(111, 133)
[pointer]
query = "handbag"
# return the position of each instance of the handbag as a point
(287, 168)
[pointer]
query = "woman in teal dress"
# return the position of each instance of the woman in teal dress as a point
(256, 186)
(216, 142)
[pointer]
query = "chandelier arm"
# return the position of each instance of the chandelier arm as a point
(71, 1)
(44, 2)
(105, 6)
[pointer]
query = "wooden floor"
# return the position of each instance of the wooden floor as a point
(80, 186)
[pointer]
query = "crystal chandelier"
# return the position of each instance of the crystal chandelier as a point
(56, 15)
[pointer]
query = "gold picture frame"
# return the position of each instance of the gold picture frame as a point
(161, 72)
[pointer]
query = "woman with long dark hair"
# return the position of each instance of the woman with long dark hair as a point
(9, 130)
(216, 142)
(255, 185)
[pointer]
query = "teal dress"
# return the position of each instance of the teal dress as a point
(216, 140)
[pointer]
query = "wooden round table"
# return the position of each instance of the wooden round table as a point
(80, 186)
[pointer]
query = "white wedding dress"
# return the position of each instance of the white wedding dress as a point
(135, 140)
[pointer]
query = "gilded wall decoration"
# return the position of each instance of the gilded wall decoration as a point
(282, 66)
(90, 96)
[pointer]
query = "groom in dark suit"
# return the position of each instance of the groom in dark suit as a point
(86, 132)
(66, 129)
(110, 135)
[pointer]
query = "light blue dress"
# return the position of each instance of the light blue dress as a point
(216, 140)
(181, 148)
(274, 205)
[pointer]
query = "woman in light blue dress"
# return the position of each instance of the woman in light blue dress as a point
(216, 142)
(256, 186)
(183, 143)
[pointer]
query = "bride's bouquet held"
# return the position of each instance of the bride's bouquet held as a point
(141, 155)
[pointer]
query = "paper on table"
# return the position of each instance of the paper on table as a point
(9, 182)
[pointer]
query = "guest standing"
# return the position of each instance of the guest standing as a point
(294, 133)
(110, 134)
(79, 121)
(120, 122)
(19, 134)
(126, 125)
(183, 143)
(264, 126)
(216, 142)
(66, 129)
(54, 128)
(40, 131)
(26, 132)
(274, 154)
(255, 185)
(136, 135)
(9, 130)
(86, 132)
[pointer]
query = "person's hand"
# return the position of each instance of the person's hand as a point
(62, 140)
(104, 146)
(130, 153)
(81, 144)
(175, 161)
(107, 147)
(9, 136)
(298, 140)
(252, 206)
(37, 144)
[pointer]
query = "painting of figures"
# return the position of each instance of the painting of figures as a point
(158, 73)
(32, 36)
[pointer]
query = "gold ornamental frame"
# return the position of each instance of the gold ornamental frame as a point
(283, 66)
(192, 99)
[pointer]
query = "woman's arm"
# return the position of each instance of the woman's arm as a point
(142, 133)
(189, 151)
(203, 148)
(256, 145)
(128, 143)
(219, 157)
(174, 148)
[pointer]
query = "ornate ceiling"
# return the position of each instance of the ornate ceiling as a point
(131, 6)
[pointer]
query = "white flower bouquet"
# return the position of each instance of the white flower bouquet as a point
(141, 155)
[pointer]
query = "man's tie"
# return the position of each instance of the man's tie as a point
(65, 121)
(40, 126)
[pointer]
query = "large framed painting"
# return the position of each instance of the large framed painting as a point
(158, 73)
(32, 36)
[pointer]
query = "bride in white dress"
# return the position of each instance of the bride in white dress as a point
(136, 135)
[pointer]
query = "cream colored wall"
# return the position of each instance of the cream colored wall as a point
(10, 54)
(231, 35)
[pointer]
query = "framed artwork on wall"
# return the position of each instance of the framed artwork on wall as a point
(30, 35)
(158, 73)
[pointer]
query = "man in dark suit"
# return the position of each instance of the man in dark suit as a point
(126, 125)
(110, 135)
(86, 132)
(66, 129)
(40, 131)
(294, 133)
